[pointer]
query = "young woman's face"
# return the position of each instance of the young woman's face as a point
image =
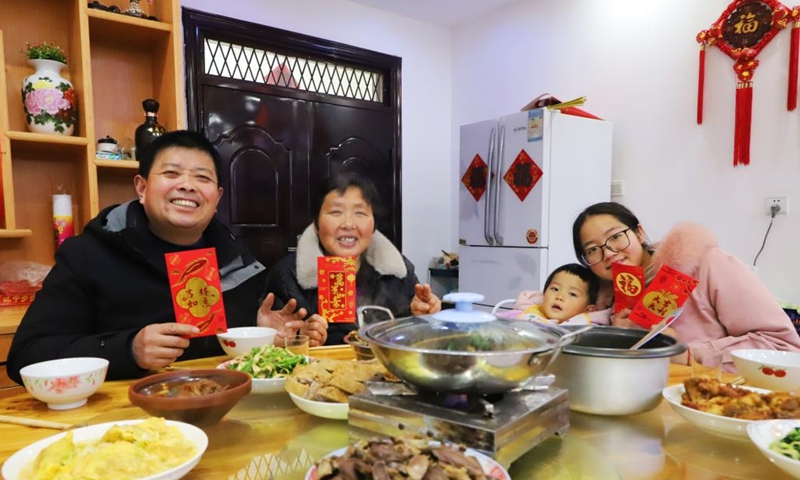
(345, 223)
(597, 229)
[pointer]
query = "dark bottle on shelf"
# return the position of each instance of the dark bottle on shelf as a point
(150, 129)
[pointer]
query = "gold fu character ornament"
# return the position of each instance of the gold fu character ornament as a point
(741, 32)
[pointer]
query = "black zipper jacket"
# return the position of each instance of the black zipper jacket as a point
(111, 281)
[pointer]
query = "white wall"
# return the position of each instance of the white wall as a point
(636, 61)
(426, 99)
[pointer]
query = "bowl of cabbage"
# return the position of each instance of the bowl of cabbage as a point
(268, 366)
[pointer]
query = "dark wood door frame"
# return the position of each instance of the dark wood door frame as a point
(198, 25)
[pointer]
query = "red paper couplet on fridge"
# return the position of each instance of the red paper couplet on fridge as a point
(196, 290)
(476, 177)
(522, 175)
(668, 291)
(336, 281)
(628, 285)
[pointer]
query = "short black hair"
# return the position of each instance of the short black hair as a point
(591, 280)
(341, 183)
(178, 139)
(616, 210)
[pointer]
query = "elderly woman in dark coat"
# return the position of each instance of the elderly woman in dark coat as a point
(344, 226)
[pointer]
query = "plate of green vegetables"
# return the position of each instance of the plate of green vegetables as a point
(268, 365)
(779, 441)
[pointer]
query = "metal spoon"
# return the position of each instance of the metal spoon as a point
(658, 328)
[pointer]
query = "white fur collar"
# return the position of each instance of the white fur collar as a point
(381, 254)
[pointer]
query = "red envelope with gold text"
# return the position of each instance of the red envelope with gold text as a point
(668, 291)
(628, 285)
(336, 281)
(196, 290)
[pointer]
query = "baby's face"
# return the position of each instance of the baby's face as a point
(566, 296)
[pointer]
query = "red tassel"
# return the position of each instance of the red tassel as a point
(701, 80)
(791, 99)
(744, 113)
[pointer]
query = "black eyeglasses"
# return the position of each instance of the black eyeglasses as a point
(615, 244)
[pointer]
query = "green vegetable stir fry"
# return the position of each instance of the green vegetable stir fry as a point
(268, 361)
(788, 445)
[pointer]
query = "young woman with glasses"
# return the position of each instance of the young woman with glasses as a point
(730, 308)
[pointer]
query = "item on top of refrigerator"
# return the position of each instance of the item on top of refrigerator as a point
(569, 107)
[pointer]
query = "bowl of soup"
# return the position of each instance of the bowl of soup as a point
(200, 397)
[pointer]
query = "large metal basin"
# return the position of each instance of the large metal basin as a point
(490, 357)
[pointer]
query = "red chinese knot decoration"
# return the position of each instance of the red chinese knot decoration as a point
(741, 32)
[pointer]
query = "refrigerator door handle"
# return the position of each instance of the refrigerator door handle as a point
(498, 240)
(488, 207)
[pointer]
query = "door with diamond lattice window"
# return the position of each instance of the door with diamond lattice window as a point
(284, 120)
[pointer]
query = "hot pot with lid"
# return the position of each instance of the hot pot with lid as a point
(465, 350)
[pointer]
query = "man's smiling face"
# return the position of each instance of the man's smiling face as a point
(180, 195)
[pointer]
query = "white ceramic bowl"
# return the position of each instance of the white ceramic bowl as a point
(240, 340)
(64, 383)
(727, 427)
(770, 369)
(14, 465)
(492, 469)
(263, 385)
(765, 432)
(334, 411)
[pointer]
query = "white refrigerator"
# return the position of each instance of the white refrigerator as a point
(523, 178)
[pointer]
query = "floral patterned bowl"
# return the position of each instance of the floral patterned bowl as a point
(65, 383)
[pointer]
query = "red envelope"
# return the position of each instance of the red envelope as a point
(628, 285)
(196, 290)
(668, 292)
(336, 282)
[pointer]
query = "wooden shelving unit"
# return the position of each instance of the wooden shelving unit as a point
(114, 62)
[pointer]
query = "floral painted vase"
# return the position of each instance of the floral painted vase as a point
(49, 100)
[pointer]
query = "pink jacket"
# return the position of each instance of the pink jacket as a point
(730, 308)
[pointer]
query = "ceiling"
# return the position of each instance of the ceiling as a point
(446, 13)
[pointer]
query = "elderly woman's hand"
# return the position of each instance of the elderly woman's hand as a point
(286, 321)
(316, 328)
(424, 301)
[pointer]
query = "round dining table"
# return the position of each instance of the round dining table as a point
(266, 437)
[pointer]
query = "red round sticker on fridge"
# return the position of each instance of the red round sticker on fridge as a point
(532, 236)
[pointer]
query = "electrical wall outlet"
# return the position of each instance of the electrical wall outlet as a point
(782, 202)
(617, 188)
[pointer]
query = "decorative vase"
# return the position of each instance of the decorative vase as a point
(48, 99)
(134, 10)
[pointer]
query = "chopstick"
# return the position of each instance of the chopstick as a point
(32, 422)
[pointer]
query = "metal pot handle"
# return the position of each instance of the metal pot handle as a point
(562, 343)
(360, 313)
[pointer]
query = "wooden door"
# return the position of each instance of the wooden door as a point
(280, 137)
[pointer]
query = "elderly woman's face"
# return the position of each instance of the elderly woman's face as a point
(345, 223)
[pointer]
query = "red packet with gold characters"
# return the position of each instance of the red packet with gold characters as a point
(628, 285)
(668, 292)
(196, 290)
(336, 281)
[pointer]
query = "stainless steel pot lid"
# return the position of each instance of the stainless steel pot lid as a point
(614, 342)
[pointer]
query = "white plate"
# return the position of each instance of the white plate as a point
(717, 424)
(23, 457)
(334, 411)
(764, 432)
(262, 385)
(492, 469)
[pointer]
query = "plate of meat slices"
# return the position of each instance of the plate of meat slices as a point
(726, 410)
(419, 457)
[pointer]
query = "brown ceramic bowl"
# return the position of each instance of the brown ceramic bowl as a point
(362, 348)
(189, 396)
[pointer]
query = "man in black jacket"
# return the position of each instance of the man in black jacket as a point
(108, 294)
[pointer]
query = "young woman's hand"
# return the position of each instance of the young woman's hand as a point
(424, 301)
(620, 319)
